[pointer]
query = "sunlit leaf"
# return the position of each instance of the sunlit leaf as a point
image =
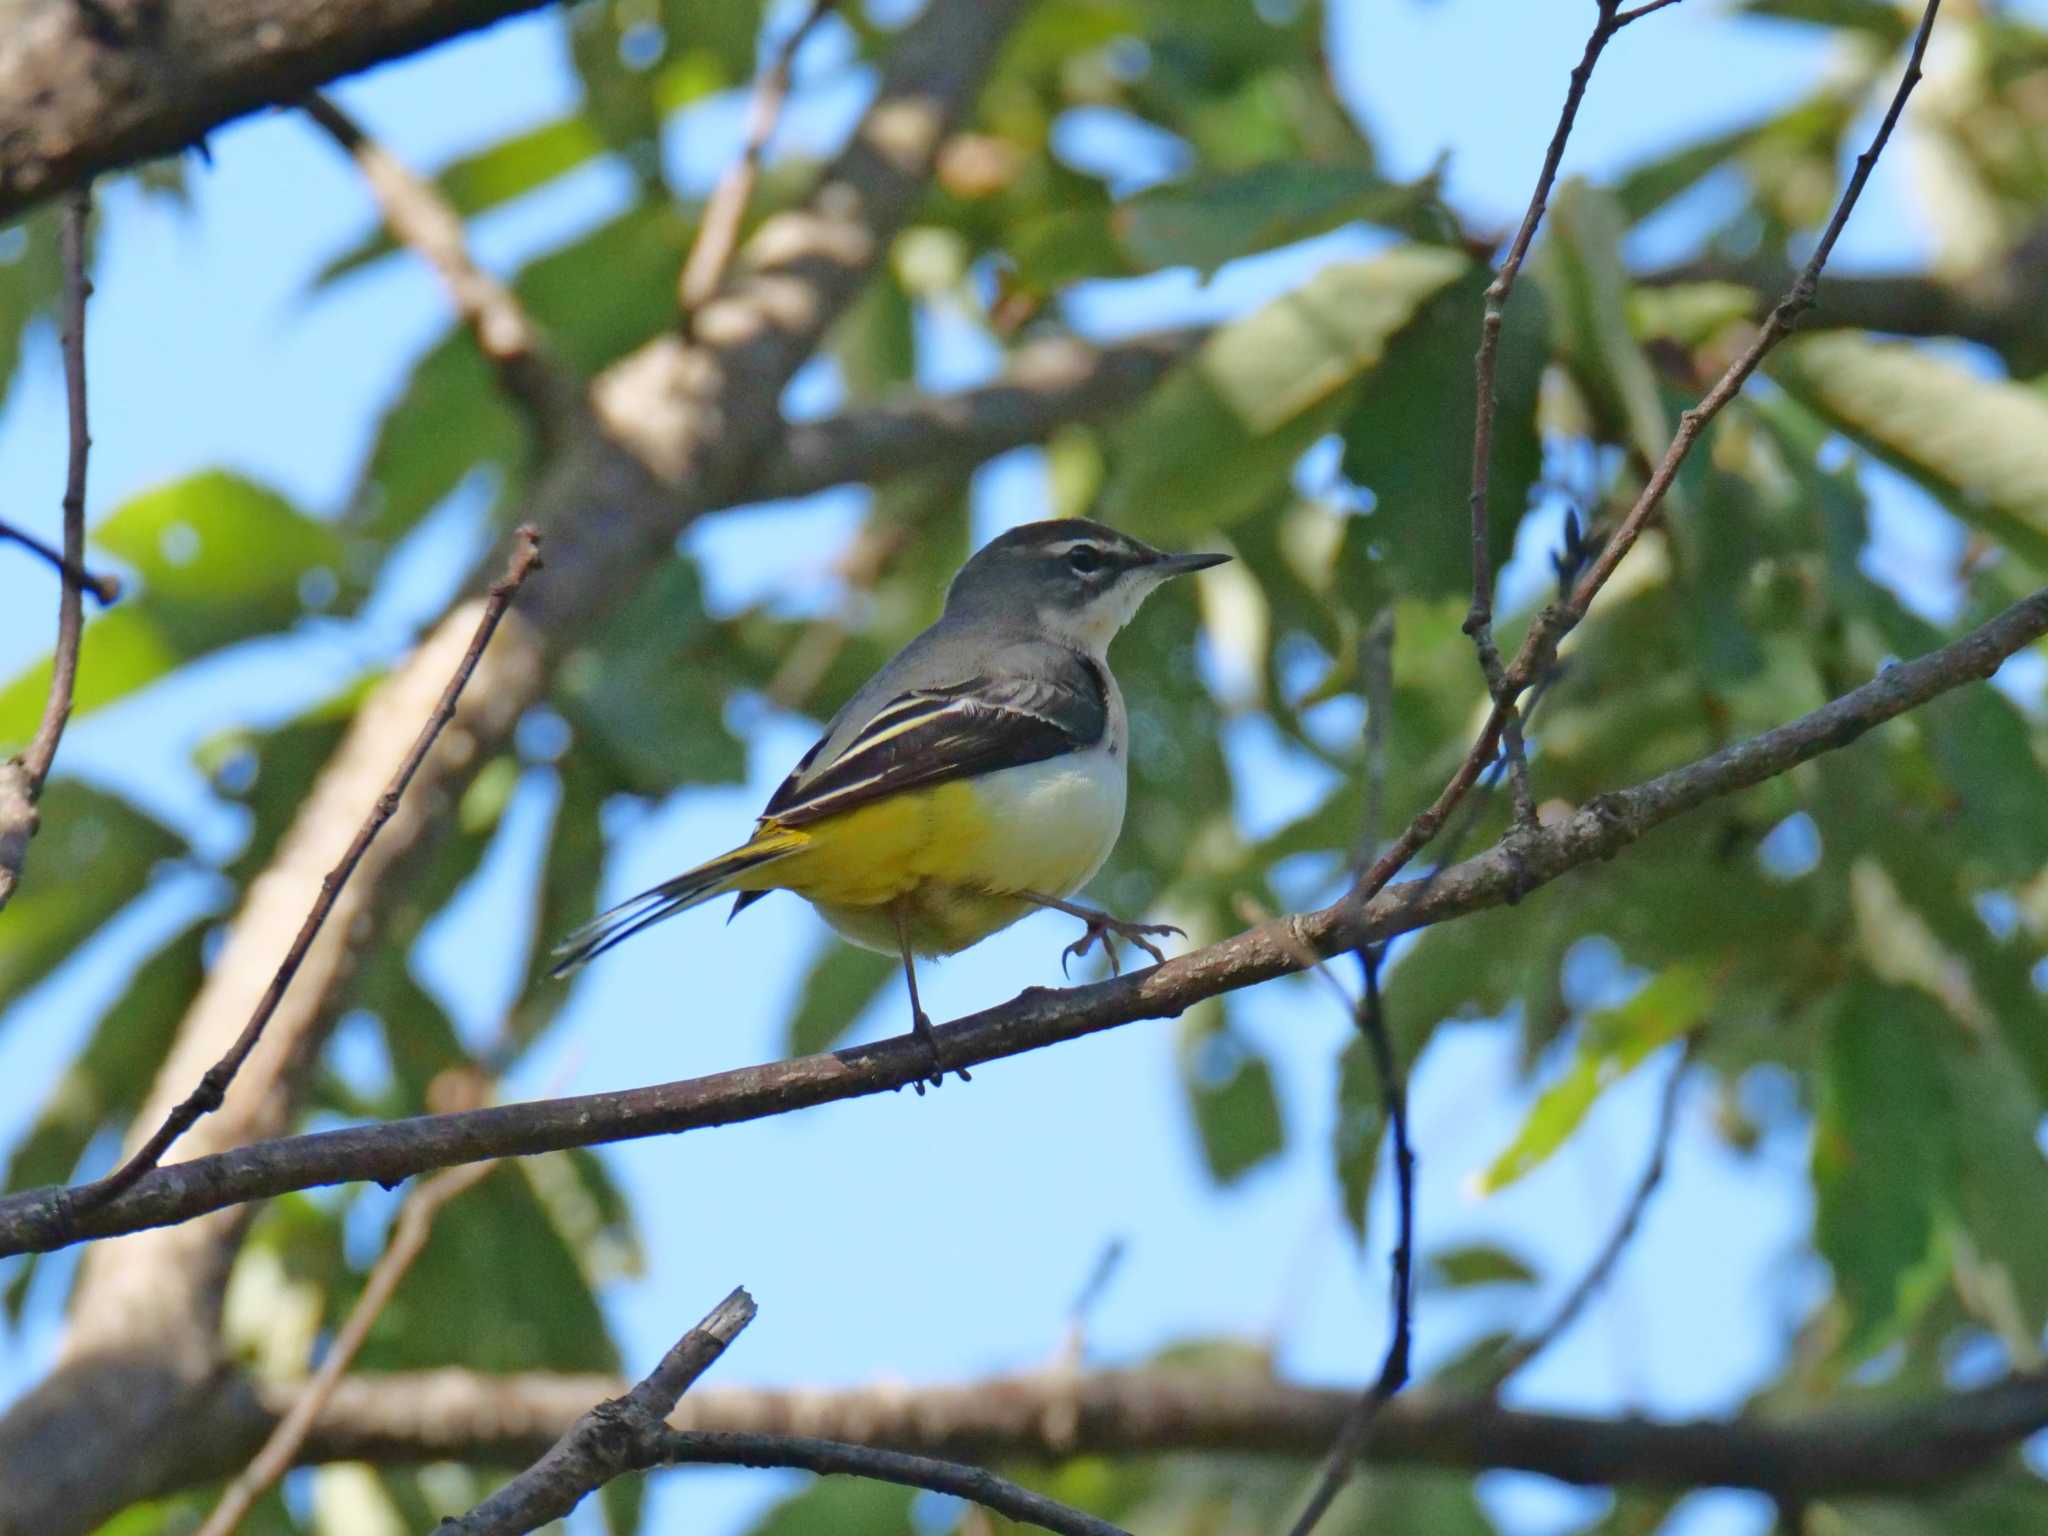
(1218, 438)
(1979, 444)
(1580, 267)
(1612, 1043)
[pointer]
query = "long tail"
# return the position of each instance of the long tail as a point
(670, 897)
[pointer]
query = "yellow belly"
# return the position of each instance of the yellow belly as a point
(953, 858)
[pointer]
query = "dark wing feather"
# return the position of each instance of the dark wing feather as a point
(930, 736)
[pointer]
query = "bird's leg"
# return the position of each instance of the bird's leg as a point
(920, 1022)
(1101, 928)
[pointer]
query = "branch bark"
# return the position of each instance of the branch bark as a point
(1037, 1419)
(607, 1441)
(21, 779)
(92, 88)
(40, 1220)
(1048, 385)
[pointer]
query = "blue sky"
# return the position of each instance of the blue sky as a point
(955, 1229)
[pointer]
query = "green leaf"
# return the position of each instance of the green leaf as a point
(1580, 268)
(1883, 21)
(1408, 437)
(1884, 1156)
(842, 980)
(1209, 220)
(1979, 445)
(1360, 1127)
(496, 1262)
(1231, 1098)
(221, 559)
(844, 1506)
(571, 867)
(91, 858)
(31, 282)
(1612, 1043)
(648, 690)
(1219, 437)
(269, 772)
(1474, 1264)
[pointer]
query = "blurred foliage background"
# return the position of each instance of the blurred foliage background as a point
(1864, 938)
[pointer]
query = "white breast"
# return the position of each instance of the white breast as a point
(1052, 824)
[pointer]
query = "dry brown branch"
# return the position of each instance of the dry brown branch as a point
(39, 1220)
(213, 1086)
(21, 780)
(422, 220)
(280, 1452)
(718, 231)
(1914, 1446)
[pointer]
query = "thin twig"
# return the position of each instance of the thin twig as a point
(1520, 1353)
(608, 1440)
(104, 588)
(409, 1233)
(41, 1220)
(681, 1447)
(1357, 1429)
(1539, 647)
(213, 1086)
(21, 782)
(718, 232)
(420, 218)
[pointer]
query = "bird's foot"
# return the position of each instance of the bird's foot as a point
(1103, 929)
(921, 1026)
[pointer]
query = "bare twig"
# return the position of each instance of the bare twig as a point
(409, 1233)
(420, 218)
(718, 231)
(1539, 647)
(104, 588)
(1350, 1443)
(1597, 1273)
(21, 781)
(603, 1443)
(40, 1220)
(684, 1447)
(213, 1086)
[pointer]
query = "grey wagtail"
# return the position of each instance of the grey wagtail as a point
(977, 776)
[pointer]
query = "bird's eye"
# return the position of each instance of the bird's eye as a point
(1085, 559)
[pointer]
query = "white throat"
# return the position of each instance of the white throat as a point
(1090, 629)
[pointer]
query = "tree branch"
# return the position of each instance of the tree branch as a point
(92, 88)
(213, 1085)
(21, 780)
(1048, 385)
(1342, 1457)
(40, 1220)
(420, 218)
(718, 230)
(1051, 1417)
(603, 1443)
(105, 588)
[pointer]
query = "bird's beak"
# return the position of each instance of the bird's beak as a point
(1185, 565)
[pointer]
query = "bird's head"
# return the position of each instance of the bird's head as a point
(1079, 581)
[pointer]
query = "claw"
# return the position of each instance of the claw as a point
(1101, 927)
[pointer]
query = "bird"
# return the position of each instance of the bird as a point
(980, 775)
